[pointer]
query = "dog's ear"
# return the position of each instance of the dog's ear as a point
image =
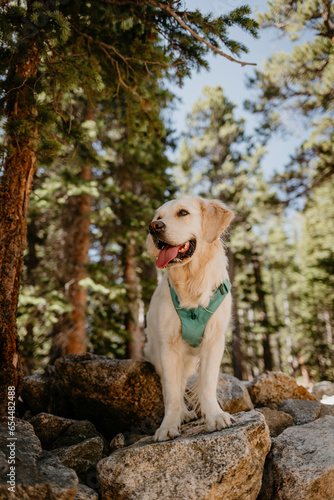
(216, 218)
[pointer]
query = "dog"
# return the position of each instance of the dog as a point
(184, 237)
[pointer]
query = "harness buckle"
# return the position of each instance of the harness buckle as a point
(225, 288)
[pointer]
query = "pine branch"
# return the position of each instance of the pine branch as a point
(185, 26)
(193, 33)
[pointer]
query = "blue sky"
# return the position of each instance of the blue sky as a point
(232, 78)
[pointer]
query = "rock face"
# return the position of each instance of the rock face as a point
(115, 395)
(38, 474)
(272, 388)
(48, 428)
(76, 433)
(122, 400)
(324, 388)
(35, 391)
(76, 443)
(85, 493)
(197, 465)
(232, 395)
(301, 463)
(302, 412)
(277, 421)
(81, 457)
(327, 410)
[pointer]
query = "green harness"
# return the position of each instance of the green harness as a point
(194, 320)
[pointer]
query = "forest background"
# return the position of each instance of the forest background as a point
(99, 114)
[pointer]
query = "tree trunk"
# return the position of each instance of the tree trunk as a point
(135, 343)
(303, 369)
(287, 321)
(16, 183)
(329, 329)
(277, 321)
(267, 355)
(236, 336)
(69, 334)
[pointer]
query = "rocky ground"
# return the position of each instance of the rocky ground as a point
(86, 425)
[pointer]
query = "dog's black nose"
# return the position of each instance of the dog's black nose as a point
(156, 226)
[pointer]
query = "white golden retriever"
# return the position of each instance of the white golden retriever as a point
(185, 238)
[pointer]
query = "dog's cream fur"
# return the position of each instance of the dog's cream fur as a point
(194, 279)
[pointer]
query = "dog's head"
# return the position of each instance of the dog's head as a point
(180, 226)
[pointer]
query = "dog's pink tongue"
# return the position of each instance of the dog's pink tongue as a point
(166, 255)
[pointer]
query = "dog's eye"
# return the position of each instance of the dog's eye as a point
(182, 213)
(158, 218)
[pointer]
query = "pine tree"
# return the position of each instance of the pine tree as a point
(313, 316)
(47, 50)
(69, 333)
(129, 169)
(278, 278)
(298, 87)
(218, 160)
(133, 180)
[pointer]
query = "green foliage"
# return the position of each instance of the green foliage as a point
(301, 83)
(125, 147)
(292, 304)
(94, 94)
(219, 161)
(315, 259)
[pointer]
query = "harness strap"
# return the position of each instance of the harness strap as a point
(194, 321)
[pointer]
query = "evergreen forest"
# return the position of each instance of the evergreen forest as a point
(86, 159)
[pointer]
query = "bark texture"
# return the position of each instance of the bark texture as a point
(16, 183)
(135, 344)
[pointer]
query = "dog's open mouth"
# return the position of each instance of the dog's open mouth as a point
(172, 255)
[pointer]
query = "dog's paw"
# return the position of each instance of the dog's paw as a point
(188, 415)
(219, 421)
(165, 433)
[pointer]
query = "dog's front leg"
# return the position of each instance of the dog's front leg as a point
(171, 383)
(210, 358)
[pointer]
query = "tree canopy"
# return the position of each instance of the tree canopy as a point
(85, 149)
(63, 62)
(296, 89)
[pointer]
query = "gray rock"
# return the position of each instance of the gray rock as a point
(324, 388)
(59, 432)
(75, 433)
(81, 457)
(35, 391)
(327, 410)
(115, 395)
(301, 463)
(277, 421)
(197, 465)
(85, 493)
(302, 412)
(49, 427)
(272, 388)
(38, 475)
(232, 395)
(117, 442)
(127, 439)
